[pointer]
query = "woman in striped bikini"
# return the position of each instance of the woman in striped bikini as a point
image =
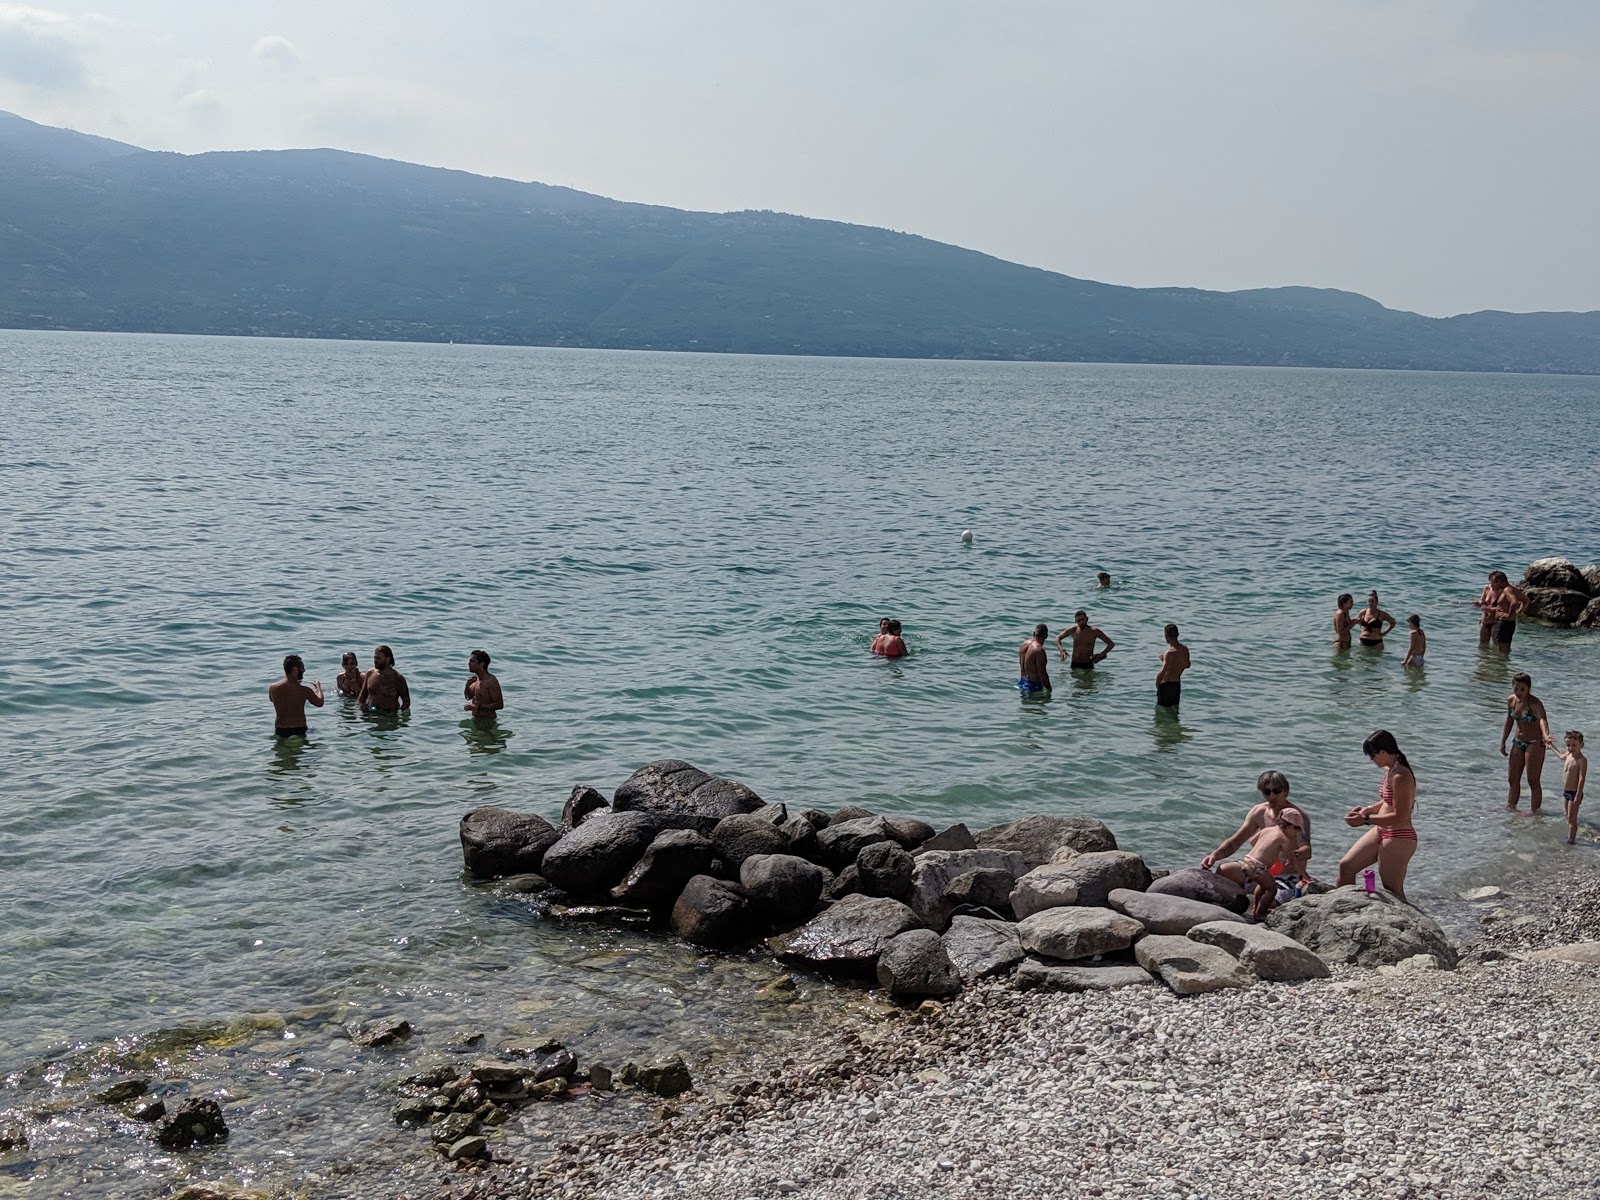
(1392, 841)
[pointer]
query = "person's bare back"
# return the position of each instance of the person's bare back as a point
(289, 697)
(1033, 662)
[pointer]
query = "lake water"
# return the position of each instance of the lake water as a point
(676, 556)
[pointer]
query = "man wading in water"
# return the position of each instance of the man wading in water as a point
(1084, 636)
(1033, 660)
(1174, 662)
(289, 696)
(383, 689)
(483, 694)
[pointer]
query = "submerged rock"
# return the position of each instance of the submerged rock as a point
(384, 1031)
(1038, 838)
(677, 795)
(846, 936)
(1208, 887)
(673, 857)
(1072, 932)
(1190, 967)
(1263, 952)
(496, 842)
(216, 1191)
(1348, 926)
(594, 857)
(664, 1077)
(197, 1122)
(914, 965)
(1168, 914)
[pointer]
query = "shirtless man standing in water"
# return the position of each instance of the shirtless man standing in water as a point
(1174, 662)
(289, 696)
(483, 694)
(383, 689)
(1084, 636)
(1033, 660)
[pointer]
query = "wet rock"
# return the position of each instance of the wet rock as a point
(1038, 975)
(497, 842)
(450, 1129)
(548, 1089)
(957, 837)
(1169, 914)
(848, 935)
(149, 1110)
(123, 1090)
(783, 990)
(1481, 893)
(714, 913)
(935, 870)
(558, 1064)
(846, 883)
(583, 803)
(1589, 618)
(850, 812)
(980, 948)
(522, 885)
(12, 1139)
(415, 1110)
(1038, 838)
(1049, 886)
(841, 843)
(491, 1072)
(782, 887)
(216, 1191)
(198, 1122)
(913, 965)
(674, 857)
(1263, 952)
(1099, 873)
(1559, 606)
(1348, 926)
(664, 1077)
(476, 1146)
(603, 914)
(1071, 932)
(1190, 967)
(384, 1031)
(594, 857)
(1205, 886)
(738, 837)
(814, 817)
(907, 832)
(1591, 579)
(679, 796)
(1554, 572)
(885, 870)
(985, 887)
(600, 1077)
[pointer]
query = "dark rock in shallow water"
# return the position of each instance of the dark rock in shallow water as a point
(453, 1128)
(981, 948)
(476, 1146)
(712, 912)
(497, 841)
(1348, 926)
(664, 1077)
(593, 858)
(122, 1090)
(913, 965)
(1037, 838)
(579, 805)
(1205, 886)
(842, 842)
(1559, 606)
(884, 870)
(197, 1122)
(385, 1031)
(152, 1109)
(1589, 618)
(846, 936)
(738, 837)
(674, 857)
(679, 796)
(1555, 572)
(783, 887)
(602, 914)
(907, 832)
(957, 837)
(558, 1064)
(1591, 579)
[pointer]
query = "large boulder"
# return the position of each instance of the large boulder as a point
(1038, 838)
(982, 887)
(1167, 914)
(1263, 952)
(1189, 967)
(981, 948)
(1559, 606)
(581, 804)
(1049, 886)
(1555, 572)
(842, 842)
(783, 887)
(679, 796)
(1101, 872)
(1036, 974)
(802, 835)
(670, 861)
(1348, 926)
(914, 964)
(885, 870)
(1205, 886)
(496, 842)
(1591, 579)
(957, 837)
(847, 935)
(1070, 933)
(737, 837)
(595, 856)
(850, 812)
(712, 912)
(935, 870)
(907, 832)
(1589, 618)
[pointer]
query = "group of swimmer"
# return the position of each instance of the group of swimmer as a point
(380, 689)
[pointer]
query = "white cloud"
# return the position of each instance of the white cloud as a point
(276, 51)
(42, 49)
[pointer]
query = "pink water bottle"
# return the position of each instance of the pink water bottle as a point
(1369, 881)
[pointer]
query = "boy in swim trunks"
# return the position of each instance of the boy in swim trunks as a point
(289, 696)
(1174, 661)
(1574, 773)
(1417, 647)
(1033, 674)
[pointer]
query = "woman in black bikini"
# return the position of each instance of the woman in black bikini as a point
(1374, 623)
(1525, 712)
(1343, 622)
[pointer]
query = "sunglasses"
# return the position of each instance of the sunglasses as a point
(1274, 791)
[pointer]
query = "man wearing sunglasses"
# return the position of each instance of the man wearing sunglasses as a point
(1274, 789)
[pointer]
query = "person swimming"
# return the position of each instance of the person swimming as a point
(889, 643)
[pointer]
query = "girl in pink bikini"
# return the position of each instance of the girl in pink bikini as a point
(1392, 840)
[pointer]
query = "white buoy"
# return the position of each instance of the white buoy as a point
(966, 537)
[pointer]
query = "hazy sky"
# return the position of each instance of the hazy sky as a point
(1442, 157)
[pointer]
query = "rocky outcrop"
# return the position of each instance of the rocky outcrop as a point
(1263, 952)
(1039, 838)
(1167, 914)
(1559, 606)
(1072, 932)
(1559, 592)
(593, 858)
(1589, 618)
(1555, 572)
(783, 887)
(1099, 873)
(935, 870)
(1205, 886)
(841, 843)
(496, 842)
(673, 858)
(885, 870)
(1348, 926)
(1189, 967)
(198, 1122)
(712, 912)
(737, 837)
(1591, 579)
(848, 935)
(914, 965)
(676, 795)
(1038, 975)
(981, 948)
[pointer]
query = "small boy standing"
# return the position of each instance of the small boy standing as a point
(1418, 645)
(1573, 774)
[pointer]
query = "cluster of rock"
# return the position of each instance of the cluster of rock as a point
(197, 1122)
(1051, 900)
(1562, 593)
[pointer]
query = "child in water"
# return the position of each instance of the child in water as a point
(1418, 645)
(1573, 774)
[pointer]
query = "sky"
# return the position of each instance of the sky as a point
(1439, 157)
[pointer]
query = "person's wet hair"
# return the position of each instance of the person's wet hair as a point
(482, 656)
(1040, 631)
(1275, 780)
(1522, 677)
(1080, 613)
(1346, 598)
(349, 656)
(1381, 741)
(387, 653)
(292, 662)
(1171, 631)
(1499, 577)
(1414, 621)
(1574, 735)
(894, 628)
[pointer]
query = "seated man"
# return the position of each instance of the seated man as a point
(1280, 837)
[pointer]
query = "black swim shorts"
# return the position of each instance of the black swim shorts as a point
(1503, 631)
(298, 731)
(1167, 694)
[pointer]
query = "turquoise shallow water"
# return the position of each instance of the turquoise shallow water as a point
(676, 555)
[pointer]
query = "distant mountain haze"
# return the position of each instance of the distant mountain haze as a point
(99, 235)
